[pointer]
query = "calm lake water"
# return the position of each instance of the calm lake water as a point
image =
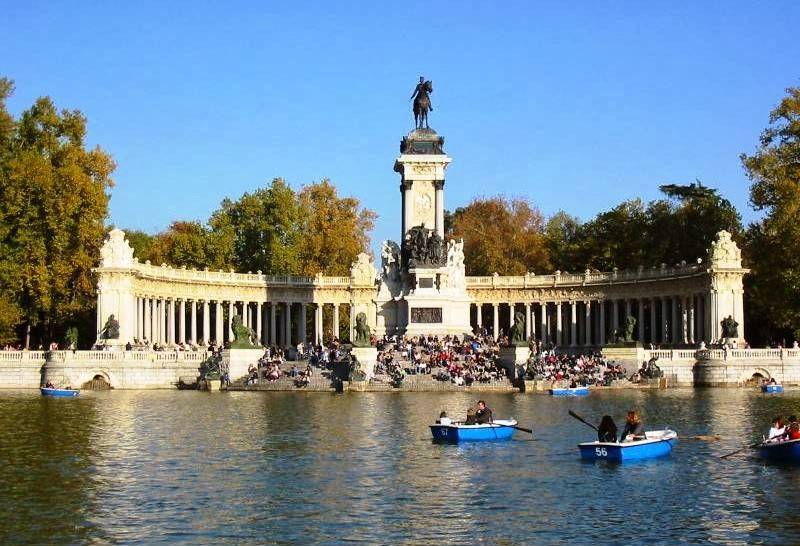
(181, 467)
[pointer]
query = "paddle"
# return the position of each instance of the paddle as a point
(751, 446)
(581, 419)
(523, 429)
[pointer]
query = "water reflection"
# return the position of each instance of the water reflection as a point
(289, 468)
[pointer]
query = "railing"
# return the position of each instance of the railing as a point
(165, 272)
(119, 356)
(588, 277)
(748, 354)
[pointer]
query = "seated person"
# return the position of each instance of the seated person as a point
(634, 428)
(607, 431)
(777, 431)
(444, 419)
(484, 414)
(792, 431)
(470, 417)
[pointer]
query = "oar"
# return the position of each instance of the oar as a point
(523, 429)
(751, 446)
(581, 419)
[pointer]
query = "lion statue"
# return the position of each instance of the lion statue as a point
(362, 331)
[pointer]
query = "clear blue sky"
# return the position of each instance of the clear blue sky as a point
(576, 105)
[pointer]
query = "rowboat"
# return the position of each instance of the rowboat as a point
(500, 429)
(658, 443)
(787, 451)
(772, 388)
(50, 391)
(574, 391)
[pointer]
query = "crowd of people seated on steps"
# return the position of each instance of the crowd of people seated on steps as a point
(460, 360)
(578, 369)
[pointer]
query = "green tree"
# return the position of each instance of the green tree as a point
(335, 230)
(502, 235)
(191, 244)
(773, 244)
(53, 204)
(263, 229)
(562, 239)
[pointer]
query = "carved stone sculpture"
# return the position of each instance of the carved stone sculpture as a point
(730, 328)
(390, 262)
(423, 247)
(724, 252)
(422, 102)
(116, 252)
(362, 331)
(517, 332)
(362, 271)
(241, 334)
(111, 329)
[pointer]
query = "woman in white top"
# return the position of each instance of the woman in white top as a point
(777, 430)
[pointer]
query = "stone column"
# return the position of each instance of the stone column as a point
(272, 326)
(690, 320)
(684, 320)
(318, 324)
(664, 321)
(439, 202)
(231, 312)
(408, 208)
(615, 314)
(219, 336)
(259, 323)
(148, 320)
(193, 338)
(527, 320)
(139, 317)
(206, 323)
(544, 333)
(676, 330)
(602, 309)
(653, 327)
(641, 320)
(588, 320)
(559, 333)
(496, 322)
(628, 309)
(246, 313)
(288, 329)
(302, 325)
(479, 316)
(182, 321)
(335, 326)
(573, 323)
(510, 316)
(171, 323)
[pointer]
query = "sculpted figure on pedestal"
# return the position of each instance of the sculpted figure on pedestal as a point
(390, 261)
(423, 247)
(362, 272)
(730, 328)
(422, 102)
(241, 334)
(116, 252)
(111, 329)
(517, 332)
(362, 331)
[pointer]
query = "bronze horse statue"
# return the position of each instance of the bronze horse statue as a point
(422, 102)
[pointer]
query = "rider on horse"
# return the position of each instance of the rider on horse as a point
(422, 102)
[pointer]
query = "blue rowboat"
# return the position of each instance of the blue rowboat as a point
(575, 391)
(787, 451)
(501, 429)
(772, 388)
(46, 391)
(658, 443)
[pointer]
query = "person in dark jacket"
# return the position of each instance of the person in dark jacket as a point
(607, 431)
(484, 414)
(634, 428)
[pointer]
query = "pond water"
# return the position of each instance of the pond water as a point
(183, 467)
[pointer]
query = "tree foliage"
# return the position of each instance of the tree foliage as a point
(773, 244)
(501, 235)
(274, 230)
(53, 204)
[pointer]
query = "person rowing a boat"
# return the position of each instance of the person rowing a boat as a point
(607, 431)
(792, 431)
(484, 414)
(634, 428)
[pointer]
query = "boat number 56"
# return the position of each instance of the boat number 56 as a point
(601, 451)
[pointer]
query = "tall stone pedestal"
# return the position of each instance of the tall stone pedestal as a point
(366, 358)
(512, 356)
(629, 355)
(238, 360)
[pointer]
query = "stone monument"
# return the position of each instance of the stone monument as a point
(422, 286)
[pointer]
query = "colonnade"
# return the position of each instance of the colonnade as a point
(661, 320)
(172, 321)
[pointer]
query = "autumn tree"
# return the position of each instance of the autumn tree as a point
(335, 230)
(773, 244)
(53, 204)
(501, 235)
(263, 228)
